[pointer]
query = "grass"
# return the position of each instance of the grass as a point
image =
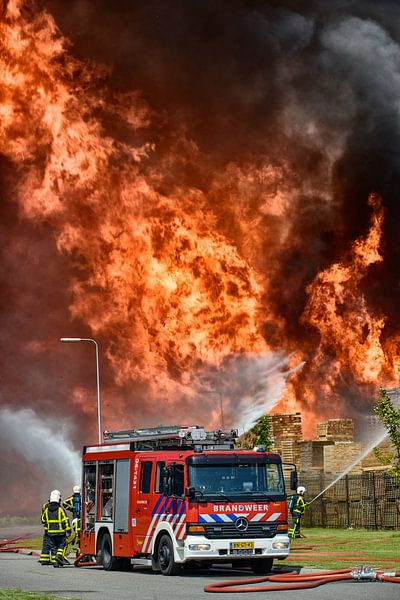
(36, 543)
(347, 548)
(20, 595)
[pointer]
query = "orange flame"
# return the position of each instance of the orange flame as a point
(176, 279)
(350, 337)
(157, 279)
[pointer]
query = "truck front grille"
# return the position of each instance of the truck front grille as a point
(221, 531)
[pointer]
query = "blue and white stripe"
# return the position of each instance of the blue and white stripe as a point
(171, 510)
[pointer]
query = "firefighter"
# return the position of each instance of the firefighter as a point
(297, 507)
(73, 505)
(57, 527)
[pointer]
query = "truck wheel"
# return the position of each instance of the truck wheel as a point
(109, 562)
(165, 556)
(261, 566)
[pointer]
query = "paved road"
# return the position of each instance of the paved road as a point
(92, 583)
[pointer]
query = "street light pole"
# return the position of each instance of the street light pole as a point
(97, 378)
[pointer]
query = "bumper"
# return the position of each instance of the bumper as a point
(276, 547)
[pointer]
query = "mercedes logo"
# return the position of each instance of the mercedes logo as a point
(241, 524)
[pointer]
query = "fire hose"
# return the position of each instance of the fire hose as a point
(80, 562)
(298, 581)
(7, 545)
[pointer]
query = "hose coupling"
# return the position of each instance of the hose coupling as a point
(363, 573)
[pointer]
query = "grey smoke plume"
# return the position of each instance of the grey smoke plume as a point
(45, 445)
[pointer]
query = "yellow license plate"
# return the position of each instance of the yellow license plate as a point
(241, 545)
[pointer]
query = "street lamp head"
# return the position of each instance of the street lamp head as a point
(70, 339)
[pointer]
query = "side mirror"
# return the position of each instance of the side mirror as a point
(190, 492)
(293, 480)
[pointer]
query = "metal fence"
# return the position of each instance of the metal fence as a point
(370, 500)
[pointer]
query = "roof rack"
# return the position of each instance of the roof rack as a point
(174, 436)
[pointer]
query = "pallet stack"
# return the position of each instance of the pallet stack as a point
(337, 430)
(286, 432)
(311, 455)
(371, 461)
(340, 455)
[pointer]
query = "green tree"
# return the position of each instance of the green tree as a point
(389, 415)
(259, 435)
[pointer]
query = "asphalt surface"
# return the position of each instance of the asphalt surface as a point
(93, 583)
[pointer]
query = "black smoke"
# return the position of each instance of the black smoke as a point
(309, 87)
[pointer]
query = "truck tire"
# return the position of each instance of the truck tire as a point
(165, 557)
(261, 566)
(106, 559)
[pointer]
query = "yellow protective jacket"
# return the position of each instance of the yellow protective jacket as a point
(73, 505)
(55, 520)
(299, 506)
(43, 509)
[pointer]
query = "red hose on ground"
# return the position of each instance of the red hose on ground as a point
(298, 582)
(10, 545)
(78, 562)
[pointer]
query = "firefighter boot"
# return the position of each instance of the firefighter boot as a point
(58, 561)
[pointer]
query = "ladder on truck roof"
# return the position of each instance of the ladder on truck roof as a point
(174, 437)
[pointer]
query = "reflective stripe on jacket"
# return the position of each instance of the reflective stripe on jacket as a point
(55, 520)
(300, 505)
(73, 504)
(42, 515)
(68, 503)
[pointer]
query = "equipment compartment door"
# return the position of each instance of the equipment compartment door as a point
(121, 496)
(141, 516)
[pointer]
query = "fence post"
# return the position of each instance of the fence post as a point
(374, 492)
(347, 500)
(323, 515)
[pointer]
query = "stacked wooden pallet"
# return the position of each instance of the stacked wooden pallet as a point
(371, 461)
(311, 455)
(290, 451)
(340, 455)
(338, 430)
(286, 427)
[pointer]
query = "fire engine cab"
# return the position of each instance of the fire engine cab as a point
(170, 496)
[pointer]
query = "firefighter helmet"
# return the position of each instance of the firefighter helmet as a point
(76, 489)
(301, 489)
(55, 496)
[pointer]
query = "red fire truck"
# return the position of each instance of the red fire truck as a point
(170, 496)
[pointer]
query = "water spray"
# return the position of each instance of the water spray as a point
(379, 439)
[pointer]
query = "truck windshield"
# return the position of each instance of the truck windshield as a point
(233, 480)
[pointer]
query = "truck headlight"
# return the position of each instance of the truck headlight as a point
(200, 547)
(280, 545)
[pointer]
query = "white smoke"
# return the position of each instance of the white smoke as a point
(247, 387)
(45, 443)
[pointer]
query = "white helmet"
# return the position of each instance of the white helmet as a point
(55, 496)
(301, 489)
(76, 489)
